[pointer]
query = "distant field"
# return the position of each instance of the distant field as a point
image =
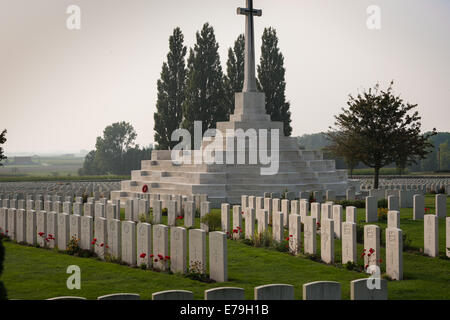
(44, 167)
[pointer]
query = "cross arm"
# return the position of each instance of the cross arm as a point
(246, 12)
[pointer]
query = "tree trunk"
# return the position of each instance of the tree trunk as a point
(376, 178)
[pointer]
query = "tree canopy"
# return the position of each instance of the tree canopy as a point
(205, 94)
(116, 152)
(234, 80)
(378, 128)
(2, 141)
(171, 93)
(271, 80)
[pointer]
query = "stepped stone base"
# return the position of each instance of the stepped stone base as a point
(299, 170)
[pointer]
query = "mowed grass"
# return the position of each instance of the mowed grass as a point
(32, 273)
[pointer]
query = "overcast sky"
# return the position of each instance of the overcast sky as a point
(59, 88)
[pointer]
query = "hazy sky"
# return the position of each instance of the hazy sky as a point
(59, 88)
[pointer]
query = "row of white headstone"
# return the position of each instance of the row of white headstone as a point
(135, 244)
(361, 289)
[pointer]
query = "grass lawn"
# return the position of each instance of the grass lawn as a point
(32, 273)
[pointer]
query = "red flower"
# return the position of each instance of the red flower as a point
(160, 256)
(167, 257)
(371, 250)
(41, 234)
(291, 236)
(366, 266)
(381, 260)
(102, 245)
(362, 255)
(151, 256)
(143, 255)
(145, 189)
(93, 242)
(156, 260)
(106, 247)
(95, 239)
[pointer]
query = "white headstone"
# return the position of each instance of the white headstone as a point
(441, 206)
(21, 225)
(327, 241)
(237, 221)
(394, 253)
(431, 235)
(218, 257)
(75, 226)
(63, 231)
(87, 232)
(350, 214)
(274, 292)
(52, 229)
(337, 218)
(114, 238)
(144, 244)
(41, 229)
(129, 242)
(178, 250)
(372, 245)
(197, 251)
(250, 223)
(371, 209)
(315, 211)
(161, 246)
(101, 234)
(225, 217)
(310, 235)
(277, 226)
(393, 219)
(295, 236)
(419, 207)
(349, 242)
(189, 214)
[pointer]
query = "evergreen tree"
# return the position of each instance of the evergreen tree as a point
(271, 80)
(2, 141)
(171, 89)
(234, 80)
(205, 94)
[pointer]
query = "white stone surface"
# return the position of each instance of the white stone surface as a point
(372, 241)
(21, 225)
(295, 234)
(393, 219)
(419, 207)
(41, 228)
(52, 229)
(218, 257)
(87, 232)
(322, 290)
(114, 230)
(371, 209)
(129, 242)
(144, 244)
(225, 217)
(349, 242)
(101, 234)
(310, 232)
(431, 235)
(277, 226)
(250, 223)
(274, 292)
(178, 250)
(350, 214)
(327, 241)
(441, 206)
(63, 230)
(394, 253)
(197, 251)
(161, 246)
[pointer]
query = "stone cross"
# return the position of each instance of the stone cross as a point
(249, 75)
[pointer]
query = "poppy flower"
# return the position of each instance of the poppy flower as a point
(143, 255)
(102, 245)
(151, 256)
(156, 260)
(167, 257)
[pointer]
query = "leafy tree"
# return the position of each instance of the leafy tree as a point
(381, 129)
(171, 89)
(116, 152)
(91, 165)
(271, 80)
(205, 94)
(3, 295)
(234, 80)
(117, 139)
(2, 141)
(343, 148)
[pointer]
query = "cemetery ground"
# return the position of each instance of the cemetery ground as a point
(33, 273)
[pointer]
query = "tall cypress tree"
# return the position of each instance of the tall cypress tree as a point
(2, 141)
(271, 76)
(171, 89)
(234, 80)
(205, 94)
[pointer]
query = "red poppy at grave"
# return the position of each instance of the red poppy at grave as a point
(143, 255)
(145, 189)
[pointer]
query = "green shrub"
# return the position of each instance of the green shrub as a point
(361, 204)
(213, 220)
(282, 246)
(262, 239)
(383, 203)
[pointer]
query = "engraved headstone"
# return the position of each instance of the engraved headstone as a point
(197, 251)
(129, 242)
(218, 256)
(160, 246)
(87, 232)
(394, 253)
(310, 232)
(431, 235)
(327, 241)
(178, 250)
(349, 242)
(144, 244)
